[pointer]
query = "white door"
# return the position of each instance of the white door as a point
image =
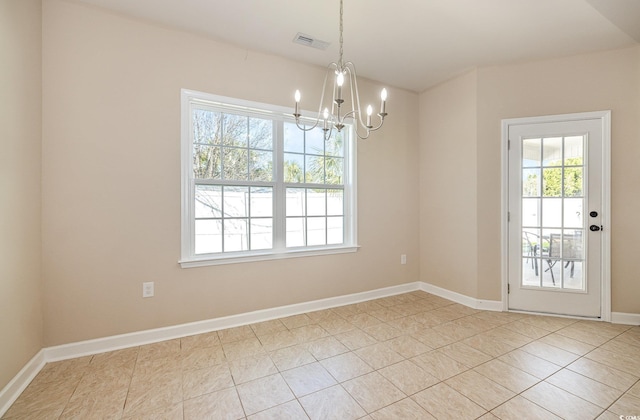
(555, 211)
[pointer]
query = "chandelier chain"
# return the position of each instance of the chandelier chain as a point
(340, 63)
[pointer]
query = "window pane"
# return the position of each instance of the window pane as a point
(261, 202)
(316, 231)
(573, 213)
(206, 126)
(260, 166)
(315, 170)
(531, 182)
(261, 233)
(316, 202)
(295, 231)
(530, 212)
(295, 202)
(235, 164)
(235, 202)
(208, 201)
(334, 168)
(235, 235)
(208, 236)
(335, 202)
(552, 212)
(531, 150)
(206, 162)
(335, 230)
(573, 182)
(293, 138)
(235, 130)
(260, 134)
(335, 145)
(573, 150)
(572, 244)
(293, 168)
(314, 142)
(552, 151)
(552, 182)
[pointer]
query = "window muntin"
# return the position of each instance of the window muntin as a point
(254, 185)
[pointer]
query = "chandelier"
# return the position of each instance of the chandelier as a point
(343, 107)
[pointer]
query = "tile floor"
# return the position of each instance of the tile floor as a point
(411, 356)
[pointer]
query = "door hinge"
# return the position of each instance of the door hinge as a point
(508, 288)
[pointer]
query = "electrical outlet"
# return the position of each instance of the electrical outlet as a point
(147, 289)
(403, 259)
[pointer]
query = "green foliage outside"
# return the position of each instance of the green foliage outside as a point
(552, 180)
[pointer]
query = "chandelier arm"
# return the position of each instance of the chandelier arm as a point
(360, 136)
(353, 79)
(324, 86)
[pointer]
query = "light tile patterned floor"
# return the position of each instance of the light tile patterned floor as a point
(411, 356)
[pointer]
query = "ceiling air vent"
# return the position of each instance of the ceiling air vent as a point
(310, 41)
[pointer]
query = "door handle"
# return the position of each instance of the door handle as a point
(595, 228)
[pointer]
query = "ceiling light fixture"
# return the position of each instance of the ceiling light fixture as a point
(344, 72)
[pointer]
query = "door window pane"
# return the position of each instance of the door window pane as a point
(530, 212)
(552, 151)
(531, 182)
(531, 152)
(573, 213)
(573, 182)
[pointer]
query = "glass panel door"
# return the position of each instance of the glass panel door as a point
(555, 191)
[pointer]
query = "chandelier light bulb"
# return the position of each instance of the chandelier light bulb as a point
(325, 114)
(296, 96)
(369, 112)
(340, 79)
(383, 97)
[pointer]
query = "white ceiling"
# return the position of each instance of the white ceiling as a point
(412, 44)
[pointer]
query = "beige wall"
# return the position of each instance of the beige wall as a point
(111, 180)
(448, 199)
(20, 135)
(601, 81)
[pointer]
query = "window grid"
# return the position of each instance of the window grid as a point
(252, 153)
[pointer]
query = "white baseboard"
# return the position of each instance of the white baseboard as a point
(14, 388)
(485, 305)
(116, 342)
(625, 318)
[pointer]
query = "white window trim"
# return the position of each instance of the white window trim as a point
(190, 259)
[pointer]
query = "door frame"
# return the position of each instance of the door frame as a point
(605, 119)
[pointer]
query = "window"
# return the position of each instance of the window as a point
(255, 186)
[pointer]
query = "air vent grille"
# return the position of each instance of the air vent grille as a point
(310, 41)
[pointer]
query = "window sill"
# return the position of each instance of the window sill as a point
(265, 256)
